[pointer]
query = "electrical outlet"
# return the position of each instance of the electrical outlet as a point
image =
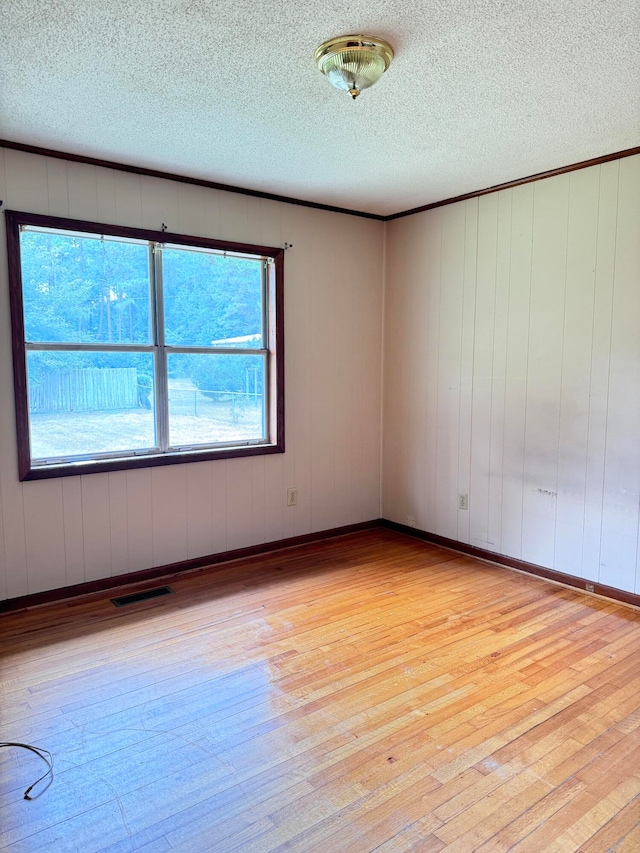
(292, 497)
(463, 501)
(411, 522)
(589, 587)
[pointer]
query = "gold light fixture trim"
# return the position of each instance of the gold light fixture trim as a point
(353, 63)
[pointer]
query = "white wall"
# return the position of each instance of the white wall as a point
(512, 372)
(74, 529)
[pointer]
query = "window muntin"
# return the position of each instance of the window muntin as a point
(139, 348)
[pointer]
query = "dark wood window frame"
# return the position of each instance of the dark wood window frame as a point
(275, 413)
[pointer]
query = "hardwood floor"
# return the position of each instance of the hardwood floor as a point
(371, 692)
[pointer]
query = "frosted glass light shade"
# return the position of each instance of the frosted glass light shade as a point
(353, 63)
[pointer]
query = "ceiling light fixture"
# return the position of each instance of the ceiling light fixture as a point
(353, 63)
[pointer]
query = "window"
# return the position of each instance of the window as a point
(135, 348)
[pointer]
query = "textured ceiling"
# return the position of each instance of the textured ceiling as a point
(480, 91)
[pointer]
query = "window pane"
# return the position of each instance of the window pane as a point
(90, 402)
(84, 289)
(211, 299)
(215, 398)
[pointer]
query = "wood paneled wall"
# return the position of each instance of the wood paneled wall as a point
(75, 529)
(512, 372)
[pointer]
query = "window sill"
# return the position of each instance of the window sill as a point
(94, 466)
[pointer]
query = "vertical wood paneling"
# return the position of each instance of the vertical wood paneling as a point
(274, 491)
(535, 325)
(128, 199)
(322, 373)
(199, 509)
(298, 340)
(110, 524)
(468, 320)
(160, 204)
(395, 293)
(367, 370)
(15, 194)
(546, 324)
(44, 533)
(345, 343)
(549, 367)
(73, 537)
(517, 357)
(449, 365)
(423, 336)
(169, 508)
(239, 503)
(270, 215)
(191, 209)
(576, 356)
(15, 545)
(83, 191)
(233, 216)
(219, 505)
(106, 190)
(139, 519)
(598, 367)
(621, 500)
(483, 373)
(25, 182)
(405, 405)
(95, 526)
(255, 222)
(212, 213)
(3, 563)
(57, 187)
(498, 369)
(258, 501)
(118, 526)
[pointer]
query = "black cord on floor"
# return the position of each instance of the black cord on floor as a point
(42, 753)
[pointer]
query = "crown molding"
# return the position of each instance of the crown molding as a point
(539, 176)
(201, 182)
(183, 179)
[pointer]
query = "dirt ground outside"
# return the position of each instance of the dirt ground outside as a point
(194, 418)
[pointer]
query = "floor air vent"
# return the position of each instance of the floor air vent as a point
(145, 595)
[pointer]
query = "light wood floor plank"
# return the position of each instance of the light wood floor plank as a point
(368, 693)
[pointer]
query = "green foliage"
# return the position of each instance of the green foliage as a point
(80, 289)
(209, 298)
(213, 373)
(84, 290)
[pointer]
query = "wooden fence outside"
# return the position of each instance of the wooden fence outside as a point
(88, 389)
